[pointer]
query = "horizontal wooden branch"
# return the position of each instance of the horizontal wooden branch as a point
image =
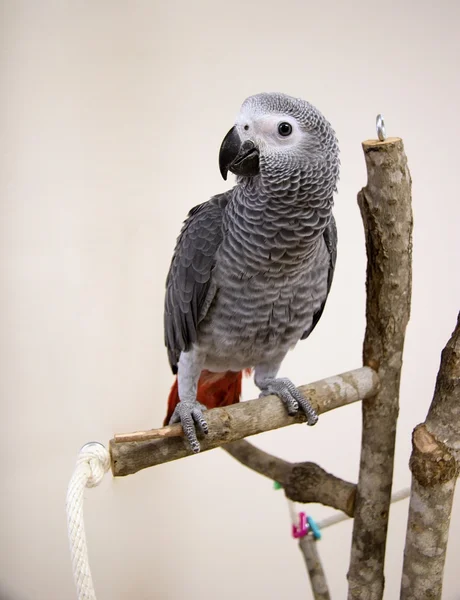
(238, 421)
(302, 482)
(310, 483)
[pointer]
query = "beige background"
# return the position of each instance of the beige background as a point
(112, 114)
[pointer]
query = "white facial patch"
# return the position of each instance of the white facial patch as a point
(263, 129)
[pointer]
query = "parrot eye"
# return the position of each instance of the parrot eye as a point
(284, 129)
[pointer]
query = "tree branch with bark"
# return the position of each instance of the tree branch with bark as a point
(434, 464)
(386, 210)
(135, 451)
(302, 482)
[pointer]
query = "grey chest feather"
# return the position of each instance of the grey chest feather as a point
(258, 317)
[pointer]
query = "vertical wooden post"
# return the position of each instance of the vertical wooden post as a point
(315, 569)
(435, 466)
(386, 210)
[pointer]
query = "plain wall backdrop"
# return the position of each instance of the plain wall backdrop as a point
(112, 114)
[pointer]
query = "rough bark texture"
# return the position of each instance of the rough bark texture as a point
(308, 482)
(302, 482)
(315, 570)
(385, 205)
(435, 466)
(234, 422)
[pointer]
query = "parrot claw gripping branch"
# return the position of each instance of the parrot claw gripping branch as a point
(244, 266)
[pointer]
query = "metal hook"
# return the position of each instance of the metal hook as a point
(380, 124)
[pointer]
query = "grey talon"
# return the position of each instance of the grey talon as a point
(291, 397)
(190, 415)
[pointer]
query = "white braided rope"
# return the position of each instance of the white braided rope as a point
(92, 463)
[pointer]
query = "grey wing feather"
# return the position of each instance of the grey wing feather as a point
(189, 279)
(330, 238)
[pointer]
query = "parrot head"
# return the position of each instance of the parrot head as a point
(278, 137)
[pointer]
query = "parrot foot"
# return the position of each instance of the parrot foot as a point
(190, 415)
(291, 397)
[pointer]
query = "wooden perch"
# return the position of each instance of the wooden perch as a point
(315, 569)
(385, 205)
(434, 464)
(302, 482)
(238, 421)
(310, 483)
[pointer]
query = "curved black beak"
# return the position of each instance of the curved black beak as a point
(241, 158)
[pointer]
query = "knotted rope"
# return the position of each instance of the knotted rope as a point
(92, 463)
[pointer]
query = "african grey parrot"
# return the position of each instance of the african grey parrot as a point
(252, 267)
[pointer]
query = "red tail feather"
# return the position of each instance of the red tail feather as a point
(214, 389)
